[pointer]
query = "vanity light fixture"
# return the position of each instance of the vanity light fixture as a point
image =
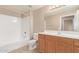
(54, 6)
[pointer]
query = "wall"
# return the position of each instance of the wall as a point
(9, 12)
(52, 22)
(38, 19)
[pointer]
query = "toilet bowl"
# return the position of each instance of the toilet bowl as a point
(32, 44)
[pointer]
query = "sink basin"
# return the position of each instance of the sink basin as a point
(70, 35)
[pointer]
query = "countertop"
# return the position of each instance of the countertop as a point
(73, 35)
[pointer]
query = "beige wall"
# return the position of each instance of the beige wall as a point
(38, 19)
(52, 22)
(9, 12)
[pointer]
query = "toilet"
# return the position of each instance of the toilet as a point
(32, 44)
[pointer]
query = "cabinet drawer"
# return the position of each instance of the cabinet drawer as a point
(41, 36)
(68, 42)
(50, 38)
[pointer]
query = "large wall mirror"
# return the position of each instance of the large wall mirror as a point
(65, 18)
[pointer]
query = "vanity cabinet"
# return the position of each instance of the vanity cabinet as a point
(52, 44)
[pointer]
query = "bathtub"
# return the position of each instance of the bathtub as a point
(10, 33)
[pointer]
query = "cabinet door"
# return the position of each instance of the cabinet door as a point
(76, 46)
(64, 45)
(41, 43)
(68, 45)
(59, 45)
(50, 44)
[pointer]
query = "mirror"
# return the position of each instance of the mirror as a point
(63, 19)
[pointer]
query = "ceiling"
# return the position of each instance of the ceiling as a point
(20, 8)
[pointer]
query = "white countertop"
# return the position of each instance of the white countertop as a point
(68, 34)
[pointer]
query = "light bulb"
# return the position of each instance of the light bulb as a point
(14, 21)
(57, 6)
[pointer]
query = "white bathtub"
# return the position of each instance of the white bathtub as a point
(10, 33)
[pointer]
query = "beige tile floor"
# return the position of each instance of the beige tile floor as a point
(23, 49)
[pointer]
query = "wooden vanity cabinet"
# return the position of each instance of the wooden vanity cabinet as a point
(52, 44)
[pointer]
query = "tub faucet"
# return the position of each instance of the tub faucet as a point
(25, 35)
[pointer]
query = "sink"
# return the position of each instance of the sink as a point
(70, 35)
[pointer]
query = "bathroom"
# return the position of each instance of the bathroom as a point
(22, 25)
